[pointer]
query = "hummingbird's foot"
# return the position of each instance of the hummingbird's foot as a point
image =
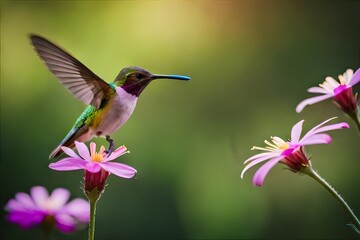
(111, 145)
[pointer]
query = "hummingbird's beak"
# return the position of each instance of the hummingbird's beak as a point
(176, 77)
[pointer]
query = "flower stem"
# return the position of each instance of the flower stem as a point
(93, 197)
(92, 219)
(355, 221)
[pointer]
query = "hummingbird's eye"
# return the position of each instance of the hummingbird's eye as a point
(139, 76)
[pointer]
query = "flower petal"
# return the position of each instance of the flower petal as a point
(259, 160)
(260, 155)
(115, 154)
(259, 177)
(25, 200)
(331, 127)
(317, 90)
(93, 167)
(65, 223)
(14, 205)
(59, 197)
(92, 148)
(322, 138)
(26, 219)
(312, 100)
(69, 152)
(311, 131)
(40, 195)
(79, 208)
(330, 83)
(355, 79)
(347, 76)
(296, 132)
(119, 169)
(83, 150)
(68, 164)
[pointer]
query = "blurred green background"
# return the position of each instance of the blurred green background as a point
(250, 62)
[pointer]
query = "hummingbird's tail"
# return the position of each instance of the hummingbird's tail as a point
(69, 140)
(58, 151)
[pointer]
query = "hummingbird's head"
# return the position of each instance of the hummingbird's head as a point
(134, 79)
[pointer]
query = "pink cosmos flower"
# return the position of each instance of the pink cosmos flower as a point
(341, 92)
(97, 165)
(290, 152)
(39, 208)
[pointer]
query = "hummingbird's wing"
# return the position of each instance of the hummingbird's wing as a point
(75, 76)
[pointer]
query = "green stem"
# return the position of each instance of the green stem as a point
(310, 172)
(92, 218)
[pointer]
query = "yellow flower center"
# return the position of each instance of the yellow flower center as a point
(283, 146)
(276, 144)
(97, 157)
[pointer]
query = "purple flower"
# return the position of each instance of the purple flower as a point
(290, 152)
(97, 165)
(340, 91)
(39, 208)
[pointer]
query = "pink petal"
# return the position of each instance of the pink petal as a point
(311, 131)
(119, 169)
(93, 167)
(68, 164)
(65, 223)
(259, 160)
(26, 219)
(59, 197)
(260, 155)
(117, 153)
(316, 139)
(69, 152)
(331, 127)
(79, 208)
(317, 90)
(296, 132)
(25, 200)
(92, 148)
(355, 79)
(101, 151)
(311, 101)
(259, 177)
(39, 195)
(288, 151)
(83, 150)
(14, 205)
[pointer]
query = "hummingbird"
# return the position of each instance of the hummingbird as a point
(110, 105)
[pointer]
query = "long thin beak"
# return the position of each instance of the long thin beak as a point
(176, 77)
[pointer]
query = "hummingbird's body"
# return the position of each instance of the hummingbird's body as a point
(110, 105)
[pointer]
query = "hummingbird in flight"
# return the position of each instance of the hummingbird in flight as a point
(109, 104)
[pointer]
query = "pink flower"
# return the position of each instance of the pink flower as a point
(97, 165)
(39, 208)
(341, 92)
(290, 152)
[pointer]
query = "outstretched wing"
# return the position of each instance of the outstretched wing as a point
(75, 76)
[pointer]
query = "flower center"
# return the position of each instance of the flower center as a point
(276, 144)
(283, 146)
(97, 157)
(340, 89)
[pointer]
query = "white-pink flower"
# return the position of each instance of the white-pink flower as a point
(290, 152)
(97, 165)
(48, 210)
(341, 91)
